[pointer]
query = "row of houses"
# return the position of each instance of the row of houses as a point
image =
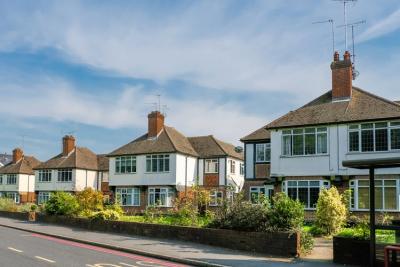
(299, 154)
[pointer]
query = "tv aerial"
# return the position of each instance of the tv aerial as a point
(332, 22)
(345, 2)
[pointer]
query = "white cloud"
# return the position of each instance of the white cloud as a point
(382, 27)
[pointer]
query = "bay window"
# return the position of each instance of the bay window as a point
(374, 137)
(161, 197)
(44, 176)
(263, 152)
(157, 163)
(307, 141)
(307, 192)
(13, 196)
(128, 196)
(125, 164)
(386, 193)
(64, 175)
(211, 165)
(43, 197)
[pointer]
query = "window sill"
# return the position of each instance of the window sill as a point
(125, 173)
(130, 205)
(262, 162)
(372, 152)
(156, 172)
(305, 156)
(367, 210)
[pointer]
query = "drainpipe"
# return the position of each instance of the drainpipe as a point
(186, 164)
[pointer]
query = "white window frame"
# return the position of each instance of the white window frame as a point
(168, 193)
(232, 166)
(391, 125)
(158, 158)
(43, 197)
(266, 153)
(134, 193)
(216, 198)
(11, 179)
(320, 130)
(12, 195)
(354, 186)
(268, 192)
(241, 168)
(211, 166)
(1, 178)
(322, 184)
(61, 176)
(122, 163)
(45, 176)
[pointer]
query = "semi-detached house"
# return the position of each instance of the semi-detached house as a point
(155, 168)
(74, 169)
(17, 179)
(309, 144)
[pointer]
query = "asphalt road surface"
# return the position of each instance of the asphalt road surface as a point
(23, 249)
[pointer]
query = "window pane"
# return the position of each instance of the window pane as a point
(390, 198)
(363, 183)
(363, 198)
(310, 144)
(378, 198)
(314, 194)
(354, 143)
(381, 139)
(166, 164)
(381, 125)
(322, 143)
(260, 152)
(292, 193)
(395, 138)
(287, 143)
(298, 144)
(353, 127)
(303, 196)
(154, 164)
(298, 131)
(367, 126)
(310, 130)
(367, 140)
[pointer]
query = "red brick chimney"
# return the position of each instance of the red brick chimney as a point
(18, 154)
(68, 144)
(156, 123)
(342, 76)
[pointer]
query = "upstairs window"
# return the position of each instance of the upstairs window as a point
(11, 179)
(307, 141)
(241, 168)
(211, 165)
(232, 166)
(216, 198)
(1, 179)
(64, 175)
(374, 137)
(263, 152)
(125, 164)
(44, 176)
(157, 163)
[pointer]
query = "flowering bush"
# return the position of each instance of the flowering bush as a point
(62, 203)
(331, 211)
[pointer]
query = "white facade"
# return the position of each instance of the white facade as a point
(24, 183)
(329, 164)
(81, 179)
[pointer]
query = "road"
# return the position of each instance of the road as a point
(23, 249)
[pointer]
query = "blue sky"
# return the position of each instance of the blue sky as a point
(226, 68)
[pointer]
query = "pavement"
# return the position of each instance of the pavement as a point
(189, 253)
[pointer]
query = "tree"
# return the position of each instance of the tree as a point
(331, 211)
(90, 200)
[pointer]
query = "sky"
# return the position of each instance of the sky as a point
(94, 69)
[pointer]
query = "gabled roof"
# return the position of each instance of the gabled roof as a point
(363, 106)
(209, 146)
(23, 166)
(79, 158)
(168, 141)
(260, 134)
(103, 162)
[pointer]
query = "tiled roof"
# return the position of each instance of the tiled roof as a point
(209, 146)
(23, 166)
(103, 162)
(260, 134)
(168, 141)
(362, 106)
(79, 158)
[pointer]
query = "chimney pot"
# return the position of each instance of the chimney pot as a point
(155, 124)
(17, 155)
(68, 144)
(342, 77)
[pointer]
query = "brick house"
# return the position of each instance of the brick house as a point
(17, 179)
(309, 144)
(74, 169)
(163, 163)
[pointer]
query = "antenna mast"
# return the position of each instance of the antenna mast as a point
(345, 18)
(333, 31)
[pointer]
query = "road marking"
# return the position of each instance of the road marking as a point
(126, 264)
(44, 259)
(14, 249)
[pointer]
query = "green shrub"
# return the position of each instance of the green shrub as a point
(331, 211)
(115, 207)
(8, 204)
(285, 214)
(241, 215)
(27, 207)
(306, 242)
(103, 215)
(89, 201)
(62, 203)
